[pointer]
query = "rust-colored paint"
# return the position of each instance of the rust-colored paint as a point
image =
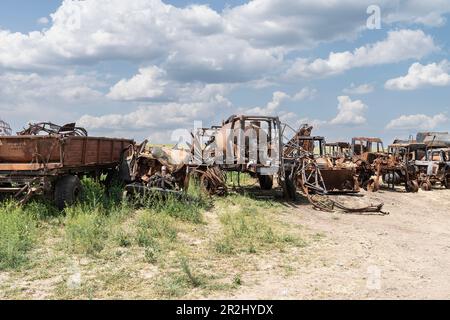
(31, 152)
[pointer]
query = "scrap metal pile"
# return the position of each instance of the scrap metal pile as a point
(270, 151)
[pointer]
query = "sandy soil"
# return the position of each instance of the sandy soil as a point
(405, 254)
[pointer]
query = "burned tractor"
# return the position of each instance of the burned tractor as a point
(434, 167)
(397, 167)
(364, 151)
(338, 150)
(320, 173)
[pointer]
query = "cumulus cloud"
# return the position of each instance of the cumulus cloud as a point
(189, 56)
(151, 84)
(303, 24)
(191, 43)
(433, 74)
(59, 98)
(70, 87)
(202, 104)
(195, 41)
(278, 97)
(349, 112)
(398, 46)
(417, 122)
(360, 89)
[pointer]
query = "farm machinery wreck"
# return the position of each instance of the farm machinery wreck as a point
(47, 159)
(263, 147)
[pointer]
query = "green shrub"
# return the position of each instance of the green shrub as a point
(93, 193)
(16, 235)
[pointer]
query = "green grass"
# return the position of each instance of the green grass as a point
(184, 207)
(17, 235)
(188, 247)
(85, 232)
(90, 223)
(247, 227)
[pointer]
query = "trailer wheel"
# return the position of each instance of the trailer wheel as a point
(265, 182)
(67, 191)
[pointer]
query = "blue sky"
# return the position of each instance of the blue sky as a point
(144, 68)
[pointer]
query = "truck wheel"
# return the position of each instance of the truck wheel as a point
(265, 182)
(67, 191)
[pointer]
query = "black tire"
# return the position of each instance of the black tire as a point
(265, 182)
(67, 191)
(113, 178)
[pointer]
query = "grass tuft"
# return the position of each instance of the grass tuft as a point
(85, 232)
(17, 235)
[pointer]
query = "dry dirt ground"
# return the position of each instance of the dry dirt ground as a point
(405, 254)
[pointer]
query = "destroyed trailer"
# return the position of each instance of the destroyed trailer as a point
(49, 160)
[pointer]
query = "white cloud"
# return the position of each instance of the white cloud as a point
(303, 24)
(190, 43)
(152, 84)
(197, 42)
(350, 112)
(417, 122)
(149, 83)
(58, 98)
(305, 93)
(191, 103)
(398, 46)
(43, 21)
(156, 117)
(428, 13)
(70, 87)
(433, 74)
(359, 90)
(278, 97)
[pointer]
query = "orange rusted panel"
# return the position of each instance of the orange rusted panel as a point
(17, 149)
(31, 152)
(28, 166)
